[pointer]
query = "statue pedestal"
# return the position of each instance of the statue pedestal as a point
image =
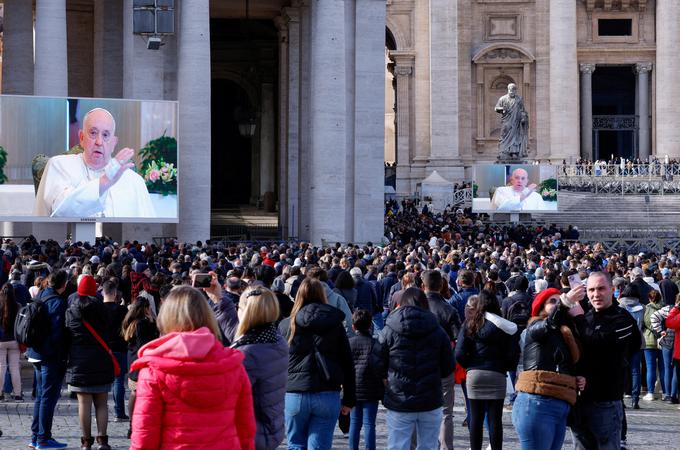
(508, 160)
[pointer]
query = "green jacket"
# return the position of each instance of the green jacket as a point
(647, 334)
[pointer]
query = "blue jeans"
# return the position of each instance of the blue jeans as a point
(654, 360)
(119, 385)
(400, 429)
(49, 377)
(311, 418)
(363, 415)
(636, 377)
(541, 422)
(671, 378)
(599, 426)
(378, 322)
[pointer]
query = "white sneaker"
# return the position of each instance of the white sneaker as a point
(648, 397)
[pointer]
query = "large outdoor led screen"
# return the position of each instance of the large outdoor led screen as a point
(85, 159)
(514, 188)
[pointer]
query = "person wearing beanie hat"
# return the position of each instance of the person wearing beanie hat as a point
(87, 287)
(89, 371)
(549, 384)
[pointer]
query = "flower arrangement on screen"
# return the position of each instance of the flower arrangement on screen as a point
(548, 189)
(159, 165)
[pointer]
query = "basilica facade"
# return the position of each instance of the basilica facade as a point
(598, 78)
(295, 105)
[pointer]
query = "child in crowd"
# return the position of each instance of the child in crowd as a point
(369, 388)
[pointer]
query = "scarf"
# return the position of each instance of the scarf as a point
(262, 334)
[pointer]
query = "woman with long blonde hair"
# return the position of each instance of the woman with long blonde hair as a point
(191, 391)
(266, 361)
(320, 365)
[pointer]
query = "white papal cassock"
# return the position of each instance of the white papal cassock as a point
(69, 188)
(506, 198)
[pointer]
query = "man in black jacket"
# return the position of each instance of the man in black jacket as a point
(448, 319)
(609, 336)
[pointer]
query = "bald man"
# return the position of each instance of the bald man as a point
(93, 183)
(518, 196)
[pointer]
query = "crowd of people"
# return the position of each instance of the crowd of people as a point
(248, 345)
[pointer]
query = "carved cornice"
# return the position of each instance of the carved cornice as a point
(615, 5)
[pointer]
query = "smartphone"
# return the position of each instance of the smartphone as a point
(574, 280)
(202, 280)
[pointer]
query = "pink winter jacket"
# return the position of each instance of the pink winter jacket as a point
(192, 393)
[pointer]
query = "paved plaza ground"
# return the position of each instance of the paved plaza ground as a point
(654, 427)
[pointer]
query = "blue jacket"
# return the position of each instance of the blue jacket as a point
(55, 347)
(459, 300)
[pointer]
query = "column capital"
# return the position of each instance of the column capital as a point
(643, 67)
(587, 69)
(403, 71)
(402, 58)
(290, 14)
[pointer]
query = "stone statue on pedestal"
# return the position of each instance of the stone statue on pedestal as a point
(514, 141)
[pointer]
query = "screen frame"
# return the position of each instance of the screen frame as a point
(49, 219)
(475, 177)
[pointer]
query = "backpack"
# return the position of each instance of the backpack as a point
(519, 313)
(32, 325)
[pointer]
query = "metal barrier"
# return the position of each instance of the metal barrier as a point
(626, 179)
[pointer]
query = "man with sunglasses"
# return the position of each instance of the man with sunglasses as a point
(94, 183)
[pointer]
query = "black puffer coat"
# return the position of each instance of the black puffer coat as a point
(88, 363)
(319, 326)
(369, 386)
(413, 353)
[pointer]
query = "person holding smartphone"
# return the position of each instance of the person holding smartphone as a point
(221, 304)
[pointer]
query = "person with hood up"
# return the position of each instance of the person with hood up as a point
(413, 354)
(191, 391)
(320, 365)
(630, 301)
(487, 347)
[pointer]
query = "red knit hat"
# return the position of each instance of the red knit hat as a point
(87, 286)
(541, 298)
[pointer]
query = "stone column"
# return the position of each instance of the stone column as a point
(642, 70)
(304, 122)
(293, 113)
(108, 48)
(193, 89)
(587, 110)
(281, 23)
(564, 142)
(444, 80)
(17, 52)
(327, 151)
(267, 141)
(50, 77)
(403, 71)
(667, 85)
(143, 71)
(17, 70)
(369, 121)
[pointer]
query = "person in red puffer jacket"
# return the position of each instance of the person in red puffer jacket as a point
(673, 322)
(192, 393)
